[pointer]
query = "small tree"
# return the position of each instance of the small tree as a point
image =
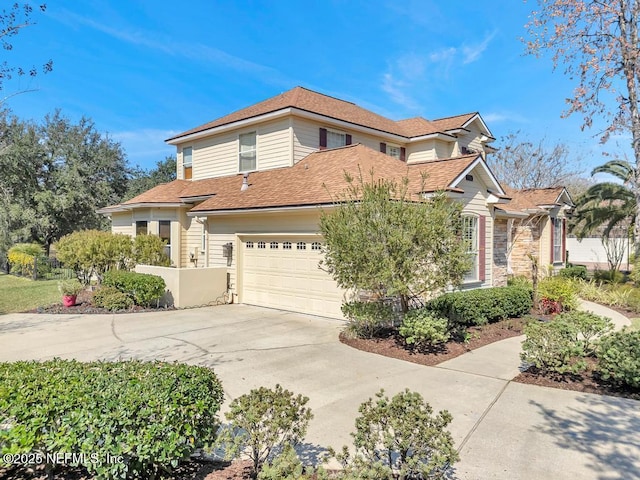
(264, 422)
(385, 239)
(399, 438)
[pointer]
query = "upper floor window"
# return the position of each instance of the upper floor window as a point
(333, 139)
(557, 239)
(187, 162)
(393, 151)
(470, 239)
(247, 152)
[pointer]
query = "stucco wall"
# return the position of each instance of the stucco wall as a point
(190, 287)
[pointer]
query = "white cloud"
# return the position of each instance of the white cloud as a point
(498, 117)
(146, 146)
(397, 90)
(473, 52)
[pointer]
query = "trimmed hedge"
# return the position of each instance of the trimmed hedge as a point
(147, 416)
(574, 271)
(112, 299)
(141, 287)
(619, 358)
(481, 306)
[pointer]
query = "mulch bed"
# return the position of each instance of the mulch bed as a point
(84, 305)
(391, 344)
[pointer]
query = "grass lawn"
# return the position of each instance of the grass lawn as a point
(635, 323)
(19, 294)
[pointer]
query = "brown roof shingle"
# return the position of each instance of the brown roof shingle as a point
(532, 198)
(163, 193)
(320, 176)
(310, 101)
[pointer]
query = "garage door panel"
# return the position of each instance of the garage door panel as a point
(288, 279)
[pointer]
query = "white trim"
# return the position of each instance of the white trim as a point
(132, 206)
(210, 213)
(477, 116)
(478, 161)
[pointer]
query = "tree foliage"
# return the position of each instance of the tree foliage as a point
(56, 174)
(598, 45)
(382, 238)
(142, 180)
(12, 20)
(520, 163)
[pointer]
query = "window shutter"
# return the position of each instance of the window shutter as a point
(482, 240)
(403, 154)
(551, 232)
(323, 138)
(383, 147)
(347, 139)
(564, 239)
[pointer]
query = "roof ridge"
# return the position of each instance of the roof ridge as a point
(459, 157)
(455, 116)
(328, 96)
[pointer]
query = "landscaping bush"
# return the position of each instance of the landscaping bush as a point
(141, 287)
(112, 299)
(399, 438)
(477, 307)
(574, 271)
(619, 358)
(609, 276)
(590, 290)
(264, 422)
(422, 327)
(366, 319)
(587, 327)
(520, 281)
(552, 347)
(22, 258)
(151, 415)
(561, 290)
(149, 250)
(93, 252)
(287, 466)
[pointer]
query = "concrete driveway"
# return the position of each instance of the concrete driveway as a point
(504, 430)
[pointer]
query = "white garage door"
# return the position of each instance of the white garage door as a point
(282, 272)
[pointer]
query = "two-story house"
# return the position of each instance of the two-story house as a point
(251, 185)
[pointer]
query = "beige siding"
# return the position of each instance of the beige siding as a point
(545, 244)
(274, 145)
(122, 223)
(192, 244)
(474, 201)
(424, 151)
(224, 229)
(472, 139)
(216, 156)
(445, 149)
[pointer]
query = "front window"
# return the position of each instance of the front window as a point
(557, 239)
(336, 139)
(470, 239)
(164, 232)
(247, 152)
(141, 227)
(187, 162)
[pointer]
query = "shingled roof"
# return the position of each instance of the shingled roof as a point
(315, 180)
(314, 102)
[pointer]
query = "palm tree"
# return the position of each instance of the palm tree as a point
(606, 205)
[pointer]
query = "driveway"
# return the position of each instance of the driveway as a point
(504, 430)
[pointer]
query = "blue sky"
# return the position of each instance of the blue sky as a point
(145, 70)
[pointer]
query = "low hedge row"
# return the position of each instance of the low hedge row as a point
(481, 306)
(141, 287)
(146, 416)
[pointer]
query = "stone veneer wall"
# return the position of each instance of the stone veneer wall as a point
(499, 252)
(526, 240)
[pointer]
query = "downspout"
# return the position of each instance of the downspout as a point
(205, 223)
(509, 245)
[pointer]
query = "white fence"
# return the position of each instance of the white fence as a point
(590, 252)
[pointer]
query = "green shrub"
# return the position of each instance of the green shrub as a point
(619, 358)
(609, 276)
(150, 416)
(149, 250)
(93, 252)
(574, 271)
(22, 258)
(477, 307)
(287, 466)
(520, 281)
(70, 287)
(587, 327)
(552, 347)
(112, 299)
(422, 327)
(559, 289)
(366, 319)
(141, 287)
(263, 422)
(399, 438)
(590, 290)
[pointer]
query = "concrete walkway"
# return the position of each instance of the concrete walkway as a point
(503, 430)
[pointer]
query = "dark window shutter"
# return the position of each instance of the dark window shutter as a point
(403, 154)
(347, 139)
(552, 232)
(323, 138)
(482, 248)
(383, 147)
(564, 239)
